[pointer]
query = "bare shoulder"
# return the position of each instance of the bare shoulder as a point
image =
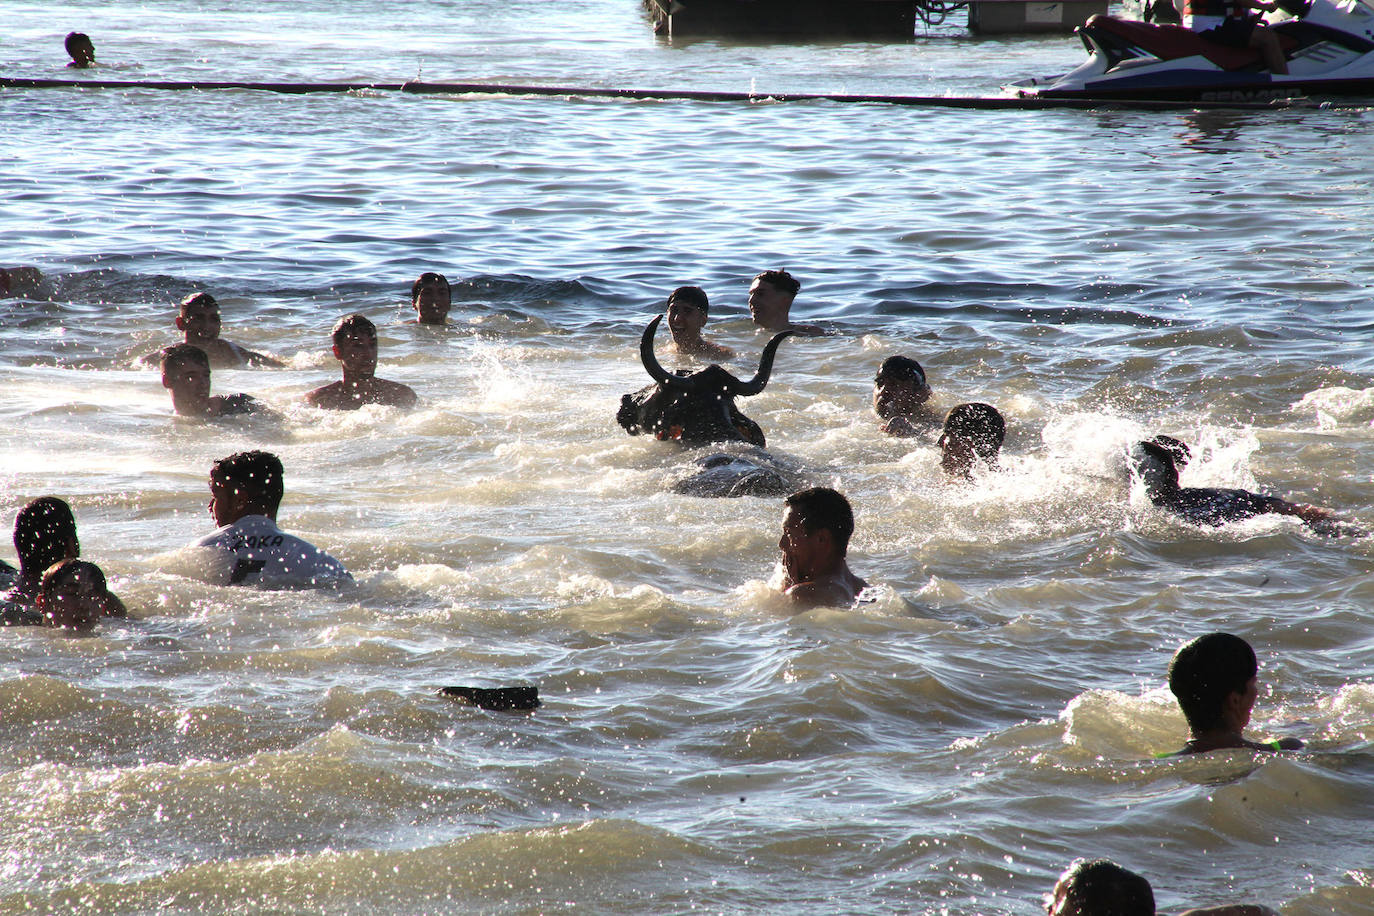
(329, 397)
(1233, 909)
(394, 394)
(255, 359)
(828, 592)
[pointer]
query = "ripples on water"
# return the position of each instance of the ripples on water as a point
(1100, 276)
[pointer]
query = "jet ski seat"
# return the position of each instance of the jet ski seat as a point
(1170, 42)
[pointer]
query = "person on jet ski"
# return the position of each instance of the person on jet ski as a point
(1229, 22)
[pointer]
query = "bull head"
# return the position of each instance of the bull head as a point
(695, 408)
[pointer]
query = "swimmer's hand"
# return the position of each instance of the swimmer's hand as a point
(899, 426)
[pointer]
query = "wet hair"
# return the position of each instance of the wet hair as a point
(353, 324)
(902, 369)
(426, 279)
(62, 570)
(978, 424)
(77, 42)
(184, 353)
(42, 532)
(199, 300)
(782, 280)
(1178, 450)
(1155, 465)
(1205, 672)
(823, 508)
(1102, 888)
(255, 475)
(693, 296)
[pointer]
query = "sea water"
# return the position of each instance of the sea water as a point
(995, 712)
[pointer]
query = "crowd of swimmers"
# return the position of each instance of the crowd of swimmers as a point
(1214, 677)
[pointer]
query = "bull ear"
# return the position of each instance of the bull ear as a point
(650, 361)
(757, 383)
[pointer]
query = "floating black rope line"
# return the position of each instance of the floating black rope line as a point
(1031, 103)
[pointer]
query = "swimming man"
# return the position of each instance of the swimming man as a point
(816, 527)
(686, 313)
(431, 297)
(248, 548)
(80, 49)
(1215, 679)
(355, 347)
(198, 318)
(44, 534)
(973, 434)
(900, 394)
(770, 303)
(1158, 469)
(186, 374)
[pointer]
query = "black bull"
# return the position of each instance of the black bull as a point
(699, 409)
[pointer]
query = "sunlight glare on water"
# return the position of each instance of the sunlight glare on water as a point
(949, 747)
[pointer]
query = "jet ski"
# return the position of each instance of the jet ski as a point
(1329, 45)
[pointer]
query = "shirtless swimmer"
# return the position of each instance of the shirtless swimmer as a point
(816, 525)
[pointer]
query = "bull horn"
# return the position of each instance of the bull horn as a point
(757, 383)
(650, 361)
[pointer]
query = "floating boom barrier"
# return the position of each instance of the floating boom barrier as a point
(416, 87)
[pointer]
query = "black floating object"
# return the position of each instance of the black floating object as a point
(498, 698)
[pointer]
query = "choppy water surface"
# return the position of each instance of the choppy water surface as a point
(948, 748)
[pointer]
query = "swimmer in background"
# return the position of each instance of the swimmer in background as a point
(248, 548)
(80, 49)
(1102, 888)
(431, 297)
(198, 317)
(1098, 888)
(900, 394)
(355, 347)
(1215, 679)
(816, 527)
(19, 281)
(770, 303)
(1158, 467)
(186, 374)
(44, 534)
(686, 313)
(972, 435)
(71, 596)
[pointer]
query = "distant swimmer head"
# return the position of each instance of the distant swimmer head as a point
(686, 312)
(45, 532)
(972, 432)
(770, 299)
(72, 595)
(355, 344)
(1213, 678)
(899, 388)
(245, 483)
(80, 50)
(198, 317)
(1100, 887)
(186, 374)
(1178, 450)
(431, 297)
(1154, 464)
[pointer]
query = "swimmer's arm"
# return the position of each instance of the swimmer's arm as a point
(261, 361)
(113, 606)
(900, 427)
(1322, 521)
(1232, 909)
